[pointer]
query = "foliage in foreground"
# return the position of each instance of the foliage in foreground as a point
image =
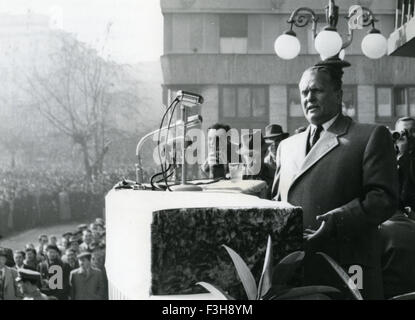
(274, 281)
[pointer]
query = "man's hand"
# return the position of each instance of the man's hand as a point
(313, 238)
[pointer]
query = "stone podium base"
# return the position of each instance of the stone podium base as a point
(187, 245)
(161, 243)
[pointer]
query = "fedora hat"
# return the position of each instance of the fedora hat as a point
(275, 131)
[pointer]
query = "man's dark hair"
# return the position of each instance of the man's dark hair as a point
(22, 253)
(334, 68)
(218, 126)
(334, 74)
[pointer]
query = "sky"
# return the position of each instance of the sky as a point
(136, 26)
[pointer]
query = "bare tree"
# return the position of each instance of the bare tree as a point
(75, 95)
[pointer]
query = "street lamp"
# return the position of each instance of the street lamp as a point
(328, 42)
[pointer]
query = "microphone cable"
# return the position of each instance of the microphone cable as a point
(173, 105)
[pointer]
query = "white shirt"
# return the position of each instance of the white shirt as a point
(326, 125)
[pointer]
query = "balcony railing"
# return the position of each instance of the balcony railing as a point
(404, 12)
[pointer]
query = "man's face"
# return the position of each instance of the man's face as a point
(52, 255)
(403, 142)
(18, 259)
(44, 240)
(30, 256)
(320, 101)
(3, 261)
(87, 237)
(406, 125)
(84, 263)
(64, 242)
(53, 240)
(74, 245)
(70, 255)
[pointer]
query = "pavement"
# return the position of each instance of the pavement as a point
(19, 240)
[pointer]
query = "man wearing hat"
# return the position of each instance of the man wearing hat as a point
(343, 174)
(87, 283)
(8, 288)
(74, 243)
(28, 282)
(273, 136)
(54, 270)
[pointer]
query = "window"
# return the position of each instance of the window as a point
(244, 102)
(395, 102)
(349, 101)
(233, 33)
(384, 102)
(294, 102)
(400, 102)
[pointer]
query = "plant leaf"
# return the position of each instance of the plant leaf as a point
(296, 293)
(317, 296)
(285, 269)
(247, 279)
(406, 296)
(343, 275)
(265, 282)
(218, 293)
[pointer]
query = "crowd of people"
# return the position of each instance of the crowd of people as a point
(72, 267)
(33, 197)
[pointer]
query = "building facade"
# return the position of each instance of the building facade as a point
(401, 42)
(224, 50)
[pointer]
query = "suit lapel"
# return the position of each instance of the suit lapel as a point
(299, 154)
(327, 142)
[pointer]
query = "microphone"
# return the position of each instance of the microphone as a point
(189, 97)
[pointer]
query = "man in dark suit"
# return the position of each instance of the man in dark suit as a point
(343, 174)
(87, 283)
(398, 255)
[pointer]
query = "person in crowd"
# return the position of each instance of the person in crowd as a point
(70, 258)
(344, 176)
(398, 254)
(253, 156)
(87, 282)
(51, 269)
(87, 244)
(28, 283)
(8, 287)
(273, 136)
(64, 243)
(19, 258)
(97, 233)
(404, 137)
(74, 243)
(221, 151)
(53, 240)
(31, 261)
(82, 227)
(42, 243)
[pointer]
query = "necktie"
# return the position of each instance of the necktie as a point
(316, 136)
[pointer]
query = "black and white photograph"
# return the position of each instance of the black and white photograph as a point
(224, 152)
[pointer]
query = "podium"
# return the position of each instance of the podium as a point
(160, 243)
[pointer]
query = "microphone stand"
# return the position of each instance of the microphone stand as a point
(191, 122)
(184, 186)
